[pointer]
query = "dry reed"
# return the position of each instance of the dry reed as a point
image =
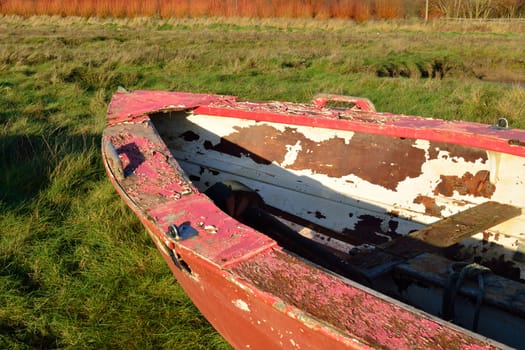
(359, 10)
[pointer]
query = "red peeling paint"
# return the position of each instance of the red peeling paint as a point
(225, 245)
(134, 106)
(353, 309)
(156, 185)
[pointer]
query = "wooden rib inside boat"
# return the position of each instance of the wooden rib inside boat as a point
(433, 220)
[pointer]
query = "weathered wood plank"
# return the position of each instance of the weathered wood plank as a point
(465, 224)
(433, 238)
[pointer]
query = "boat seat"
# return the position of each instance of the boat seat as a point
(465, 224)
(433, 238)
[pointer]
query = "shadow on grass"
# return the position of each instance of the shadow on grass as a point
(30, 162)
(15, 334)
(19, 272)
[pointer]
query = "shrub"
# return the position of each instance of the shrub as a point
(389, 9)
(362, 10)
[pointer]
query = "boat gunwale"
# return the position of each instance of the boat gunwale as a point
(483, 136)
(136, 106)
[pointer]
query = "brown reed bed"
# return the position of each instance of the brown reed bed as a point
(359, 10)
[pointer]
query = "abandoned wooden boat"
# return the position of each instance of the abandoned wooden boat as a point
(328, 225)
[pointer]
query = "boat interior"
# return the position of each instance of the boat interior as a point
(434, 225)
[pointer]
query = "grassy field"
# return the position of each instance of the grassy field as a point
(77, 270)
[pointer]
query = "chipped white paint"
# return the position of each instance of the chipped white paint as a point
(495, 165)
(241, 304)
(327, 201)
(211, 229)
(294, 344)
(291, 156)
(510, 179)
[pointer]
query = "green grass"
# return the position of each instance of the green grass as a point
(77, 270)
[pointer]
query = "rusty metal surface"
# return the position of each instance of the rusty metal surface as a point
(431, 208)
(242, 270)
(386, 162)
(468, 154)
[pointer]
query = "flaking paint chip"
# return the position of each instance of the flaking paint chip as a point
(211, 229)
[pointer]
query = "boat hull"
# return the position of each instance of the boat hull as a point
(255, 293)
